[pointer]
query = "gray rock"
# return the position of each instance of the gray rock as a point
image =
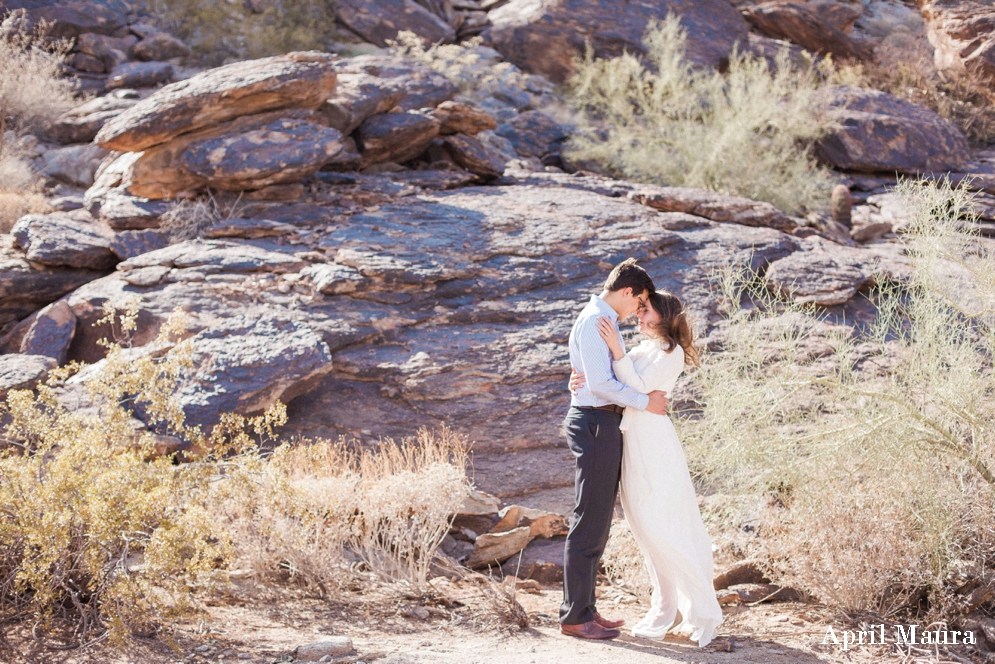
(246, 364)
(216, 255)
(295, 80)
(377, 21)
(110, 51)
(818, 277)
(81, 124)
(160, 46)
(128, 244)
(533, 134)
(66, 203)
(61, 239)
(139, 75)
(74, 164)
(545, 37)
(881, 132)
(333, 647)
(333, 279)
(26, 287)
(395, 137)
(51, 332)
(284, 151)
(469, 153)
(423, 86)
(122, 211)
(23, 372)
(70, 18)
(714, 206)
(541, 560)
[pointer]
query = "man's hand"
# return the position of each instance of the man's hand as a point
(658, 402)
(576, 381)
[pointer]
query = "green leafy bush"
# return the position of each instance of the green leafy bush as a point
(747, 132)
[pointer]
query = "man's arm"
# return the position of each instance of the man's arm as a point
(597, 369)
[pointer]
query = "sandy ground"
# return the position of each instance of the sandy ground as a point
(266, 627)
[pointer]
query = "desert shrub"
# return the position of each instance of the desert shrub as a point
(20, 186)
(217, 31)
(32, 93)
(872, 447)
(748, 132)
(191, 218)
(102, 535)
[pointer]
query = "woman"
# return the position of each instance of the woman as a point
(657, 494)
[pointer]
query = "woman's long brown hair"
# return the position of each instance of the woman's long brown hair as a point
(674, 327)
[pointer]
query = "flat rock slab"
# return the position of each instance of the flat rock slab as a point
(423, 86)
(377, 21)
(818, 277)
(545, 37)
(81, 124)
(139, 75)
(61, 239)
(216, 255)
(286, 150)
(533, 134)
(51, 332)
(23, 372)
(246, 364)
(495, 548)
(881, 132)
(128, 244)
(396, 137)
(295, 80)
(714, 206)
(248, 228)
(122, 211)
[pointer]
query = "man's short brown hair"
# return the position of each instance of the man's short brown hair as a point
(629, 275)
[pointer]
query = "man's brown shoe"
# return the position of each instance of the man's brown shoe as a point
(604, 622)
(589, 630)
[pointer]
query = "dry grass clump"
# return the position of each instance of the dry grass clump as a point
(191, 218)
(102, 535)
(874, 447)
(217, 31)
(748, 132)
(32, 93)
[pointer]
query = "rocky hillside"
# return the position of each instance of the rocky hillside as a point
(384, 249)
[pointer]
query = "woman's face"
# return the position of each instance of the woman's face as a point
(648, 317)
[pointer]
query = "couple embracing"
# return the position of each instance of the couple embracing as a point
(616, 397)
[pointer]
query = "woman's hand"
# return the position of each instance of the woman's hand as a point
(576, 381)
(610, 335)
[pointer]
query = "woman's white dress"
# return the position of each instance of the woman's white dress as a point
(660, 505)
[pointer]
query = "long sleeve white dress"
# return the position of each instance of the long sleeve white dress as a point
(660, 505)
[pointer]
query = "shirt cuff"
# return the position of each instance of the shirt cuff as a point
(644, 402)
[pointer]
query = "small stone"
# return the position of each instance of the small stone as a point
(333, 647)
(203, 648)
(139, 75)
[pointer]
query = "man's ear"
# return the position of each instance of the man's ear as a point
(628, 292)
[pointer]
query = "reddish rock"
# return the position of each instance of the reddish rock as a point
(378, 21)
(962, 33)
(545, 37)
(51, 332)
(139, 75)
(469, 153)
(456, 118)
(713, 205)
(396, 137)
(880, 132)
(160, 46)
(295, 80)
(70, 18)
(533, 134)
(801, 24)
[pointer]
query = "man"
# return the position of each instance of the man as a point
(592, 432)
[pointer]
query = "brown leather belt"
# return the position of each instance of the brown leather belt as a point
(612, 407)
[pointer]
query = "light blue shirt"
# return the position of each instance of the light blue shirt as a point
(589, 355)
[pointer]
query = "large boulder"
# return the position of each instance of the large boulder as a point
(65, 239)
(378, 21)
(282, 151)
(246, 364)
(801, 24)
(396, 137)
(545, 37)
(820, 277)
(286, 145)
(962, 33)
(876, 131)
(295, 80)
(69, 18)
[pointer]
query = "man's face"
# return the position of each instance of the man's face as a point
(634, 303)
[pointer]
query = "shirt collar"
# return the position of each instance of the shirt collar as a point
(604, 307)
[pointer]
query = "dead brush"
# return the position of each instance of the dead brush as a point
(188, 219)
